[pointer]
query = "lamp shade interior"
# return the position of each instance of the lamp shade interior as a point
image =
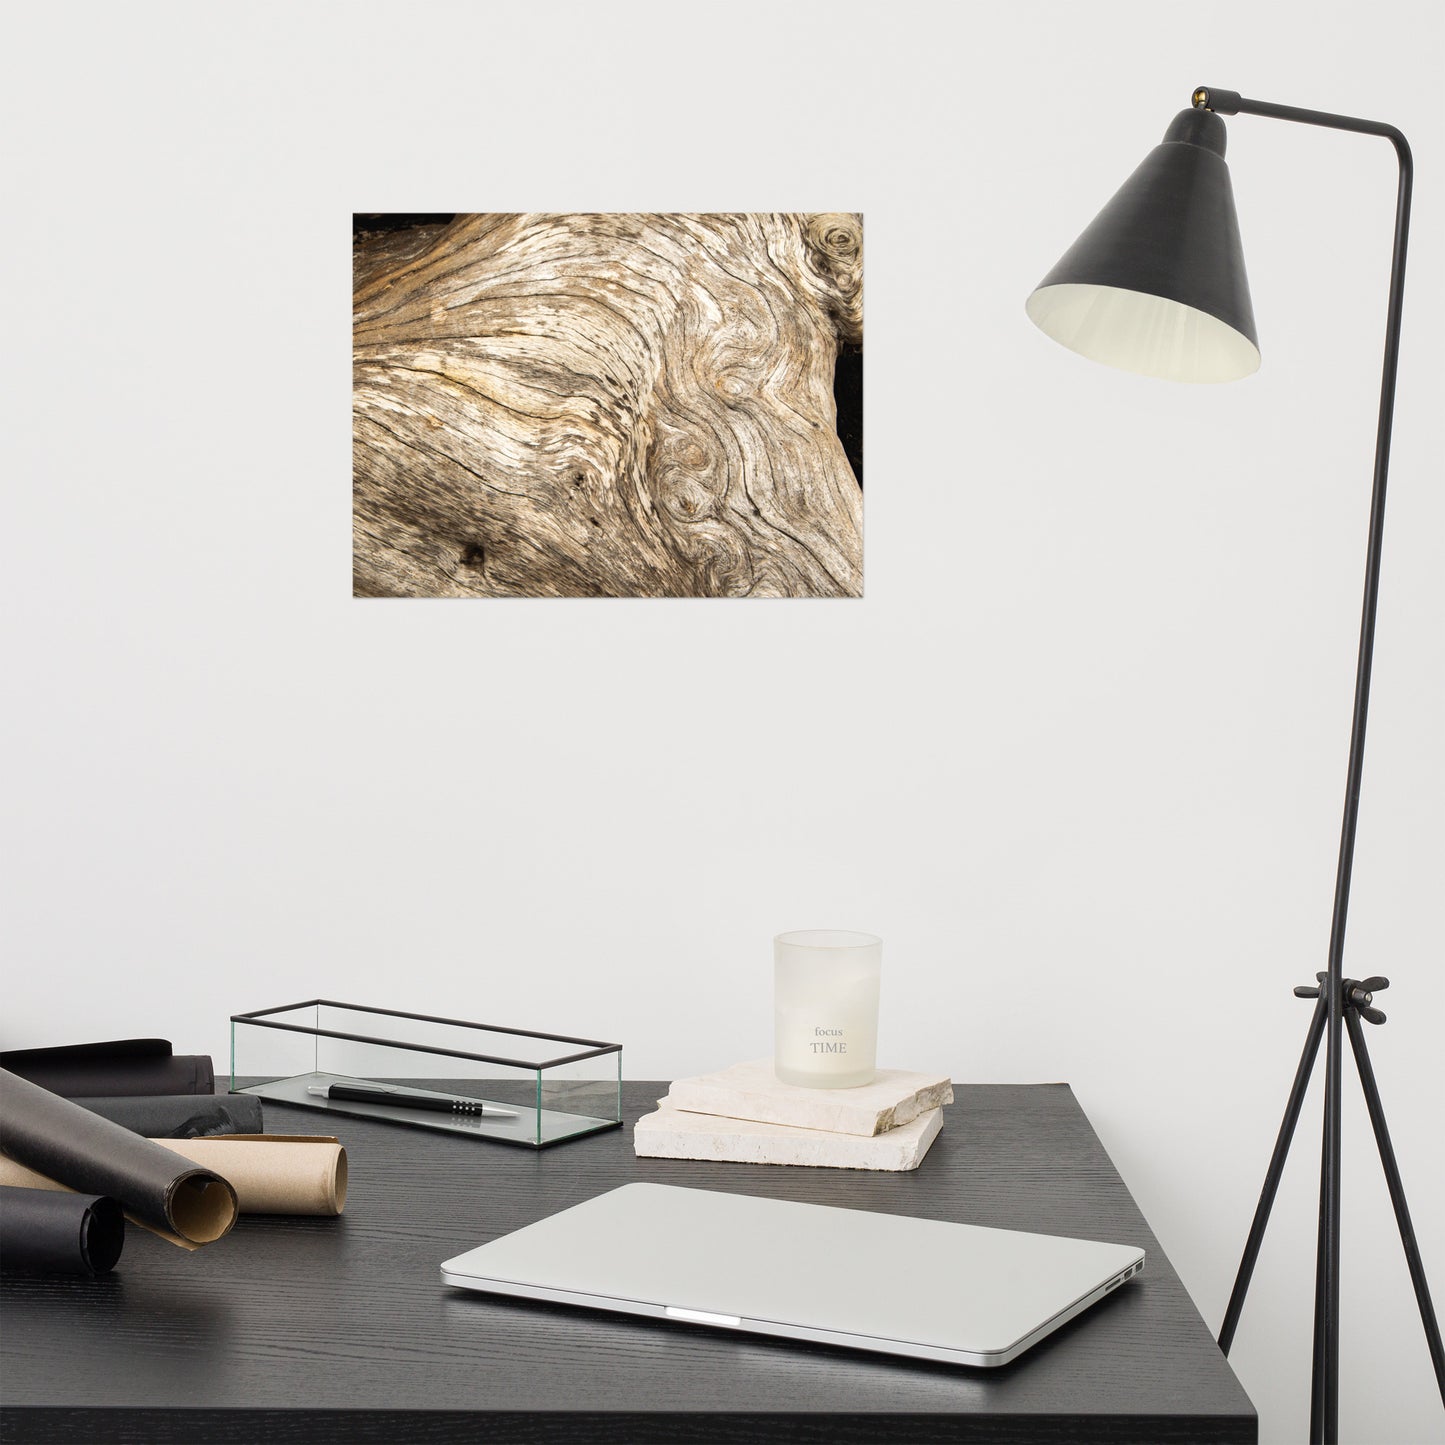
(1150, 335)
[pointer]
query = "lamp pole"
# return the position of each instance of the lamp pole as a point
(1342, 1004)
(1156, 284)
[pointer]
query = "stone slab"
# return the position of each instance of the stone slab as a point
(673, 1133)
(753, 1091)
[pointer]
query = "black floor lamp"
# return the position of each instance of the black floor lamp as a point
(1157, 285)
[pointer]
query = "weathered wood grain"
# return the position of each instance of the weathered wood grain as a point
(605, 405)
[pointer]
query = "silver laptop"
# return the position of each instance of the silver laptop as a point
(919, 1287)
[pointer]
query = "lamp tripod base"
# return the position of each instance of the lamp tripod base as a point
(1357, 1002)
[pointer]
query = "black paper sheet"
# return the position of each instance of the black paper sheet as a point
(181, 1116)
(162, 1190)
(119, 1066)
(42, 1232)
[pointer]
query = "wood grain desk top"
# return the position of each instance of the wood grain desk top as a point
(313, 1330)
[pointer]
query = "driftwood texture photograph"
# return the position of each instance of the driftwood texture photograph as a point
(606, 406)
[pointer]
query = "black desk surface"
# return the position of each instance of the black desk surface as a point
(339, 1329)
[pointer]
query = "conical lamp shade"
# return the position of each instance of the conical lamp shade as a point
(1156, 284)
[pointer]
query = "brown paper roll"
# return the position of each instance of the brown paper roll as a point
(271, 1173)
(274, 1173)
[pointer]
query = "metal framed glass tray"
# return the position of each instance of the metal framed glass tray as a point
(511, 1086)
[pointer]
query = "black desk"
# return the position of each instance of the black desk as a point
(338, 1329)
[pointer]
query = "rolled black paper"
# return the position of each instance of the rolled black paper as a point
(181, 1116)
(119, 1066)
(46, 1232)
(91, 1155)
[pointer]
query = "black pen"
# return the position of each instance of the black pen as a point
(401, 1098)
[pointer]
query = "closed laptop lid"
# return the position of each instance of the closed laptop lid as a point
(877, 1281)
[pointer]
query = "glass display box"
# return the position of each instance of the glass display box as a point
(510, 1086)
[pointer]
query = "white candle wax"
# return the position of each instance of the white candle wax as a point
(826, 1008)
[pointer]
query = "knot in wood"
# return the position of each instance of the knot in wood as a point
(734, 383)
(835, 255)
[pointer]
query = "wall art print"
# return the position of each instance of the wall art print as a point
(607, 405)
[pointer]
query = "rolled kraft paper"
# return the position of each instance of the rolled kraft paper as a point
(181, 1116)
(186, 1204)
(42, 1232)
(275, 1173)
(271, 1173)
(118, 1066)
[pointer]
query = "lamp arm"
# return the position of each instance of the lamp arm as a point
(1231, 102)
(1325, 1421)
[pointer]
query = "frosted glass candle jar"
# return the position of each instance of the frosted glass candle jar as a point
(825, 994)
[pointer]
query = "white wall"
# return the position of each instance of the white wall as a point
(1079, 754)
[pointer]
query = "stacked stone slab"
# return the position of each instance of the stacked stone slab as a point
(745, 1115)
